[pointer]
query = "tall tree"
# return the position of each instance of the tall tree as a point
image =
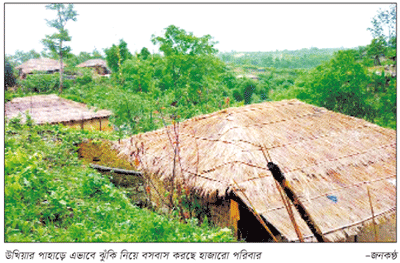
(116, 55)
(191, 66)
(137, 74)
(384, 24)
(339, 85)
(144, 53)
(55, 42)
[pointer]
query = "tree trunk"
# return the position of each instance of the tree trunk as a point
(377, 62)
(61, 69)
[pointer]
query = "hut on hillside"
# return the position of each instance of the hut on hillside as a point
(52, 109)
(46, 65)
(99, 65)
(339, 166)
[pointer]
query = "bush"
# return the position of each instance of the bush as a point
(51, 196)
(85, 78)
(44, 83)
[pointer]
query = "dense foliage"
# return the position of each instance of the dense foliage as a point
(117, 54)
(359, 82)
(51, 196)
(148, 90)
(297, 59)
(339, 85)
(345, 85)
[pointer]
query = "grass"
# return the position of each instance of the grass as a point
(53, 196)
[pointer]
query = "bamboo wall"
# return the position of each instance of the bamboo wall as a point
(219, 213)
(99, 124)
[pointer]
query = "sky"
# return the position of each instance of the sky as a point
(236, 27)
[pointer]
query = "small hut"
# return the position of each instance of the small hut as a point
(46, 65)
(99, 65)
(339, 167)
(52, 109)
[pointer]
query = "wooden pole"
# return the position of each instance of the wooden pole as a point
(286, 203)
(290, 212)
(280, 178)
(255, 213)
(373, 216)
(115, 170)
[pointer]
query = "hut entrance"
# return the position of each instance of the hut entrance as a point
(249, 229)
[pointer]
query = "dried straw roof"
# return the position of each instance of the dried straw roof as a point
(39, 64)
(51, 109)
(93, 63)
(321, 153)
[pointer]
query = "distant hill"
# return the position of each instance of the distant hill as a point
(299, 59)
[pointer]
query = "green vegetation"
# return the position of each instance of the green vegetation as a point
(54, 43)
(51, 196)
(359, 82)
(147, 91)
(345, 85)
(297, 59)
(116, 55)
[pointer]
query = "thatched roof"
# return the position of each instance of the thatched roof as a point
(51, 109)
(39, 64)
(324, 155)
(93, 63)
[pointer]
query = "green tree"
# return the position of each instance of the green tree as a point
(339, 85)
(137, 74)
(55, 41)
(96, 54)
(384, 24)
(383, 31)
(190, 65)
(177, 41)
(116, 55)
(388, 107)
(376, 49)
(144, 53)
(9, 77)
(245, 89)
